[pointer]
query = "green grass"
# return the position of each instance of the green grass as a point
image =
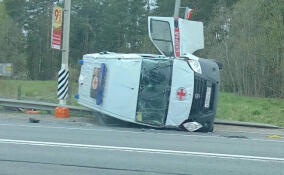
(230, 106)
(34, 90)
(251, 109)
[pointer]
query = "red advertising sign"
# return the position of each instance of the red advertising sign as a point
(56, 33)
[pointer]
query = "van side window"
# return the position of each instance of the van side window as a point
(161, 36)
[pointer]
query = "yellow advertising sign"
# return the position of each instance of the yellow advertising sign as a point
(8, 67)
(56, 34)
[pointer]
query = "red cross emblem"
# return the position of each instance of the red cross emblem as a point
(181, 94)
(95, 83)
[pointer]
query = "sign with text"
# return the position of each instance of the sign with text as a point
(177, 38)
(56, 33)
(6, 69)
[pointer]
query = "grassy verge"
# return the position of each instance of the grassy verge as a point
(251, 109)
(45, 91)
(230, 106)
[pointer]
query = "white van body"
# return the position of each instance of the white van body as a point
(121, 87)
(165, 90)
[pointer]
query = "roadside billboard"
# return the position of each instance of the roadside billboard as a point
(56, 33)
(6, 69)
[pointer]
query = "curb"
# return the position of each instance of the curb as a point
(246, 124)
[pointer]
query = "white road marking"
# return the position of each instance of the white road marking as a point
(139, 150)
(135, 132)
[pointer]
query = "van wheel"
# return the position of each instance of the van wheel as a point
(105, 120)
(100, 118)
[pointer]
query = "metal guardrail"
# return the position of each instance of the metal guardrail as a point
(39, 105)
(246, 124)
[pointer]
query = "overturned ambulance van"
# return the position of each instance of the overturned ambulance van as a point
(175, 89)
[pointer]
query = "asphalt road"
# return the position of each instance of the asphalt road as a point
(84, 148)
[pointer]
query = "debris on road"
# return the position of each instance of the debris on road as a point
(32, 111)
(32, 120)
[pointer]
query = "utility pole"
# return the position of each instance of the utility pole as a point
(65, 46)
(177, 6)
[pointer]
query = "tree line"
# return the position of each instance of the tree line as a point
(246, 36)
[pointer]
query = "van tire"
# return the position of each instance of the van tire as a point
(99, 118)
